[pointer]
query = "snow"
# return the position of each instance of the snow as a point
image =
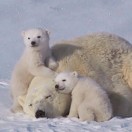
(65, 19)
(19, 122)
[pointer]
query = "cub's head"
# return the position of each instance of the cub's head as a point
(66, 81)
(36, 38)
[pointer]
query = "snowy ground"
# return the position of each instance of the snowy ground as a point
(22, 123)
(65, 19)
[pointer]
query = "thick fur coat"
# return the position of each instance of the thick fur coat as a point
(104, 57)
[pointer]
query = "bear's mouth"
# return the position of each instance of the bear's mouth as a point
(36, 45)
(60, 89)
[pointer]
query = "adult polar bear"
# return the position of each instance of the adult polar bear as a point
(107, 59)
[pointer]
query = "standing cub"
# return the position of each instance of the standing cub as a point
(89, 101)
(32, 63)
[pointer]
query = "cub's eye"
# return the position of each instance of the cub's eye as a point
(47, 96)
(64, 80)
(28, 38)
(30, 105)
(38, 36)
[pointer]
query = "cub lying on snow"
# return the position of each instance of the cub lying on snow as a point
(89, 101)
(32, 63)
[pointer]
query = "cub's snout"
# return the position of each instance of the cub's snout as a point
(56, 87)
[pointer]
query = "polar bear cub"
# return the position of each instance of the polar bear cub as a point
(32, 63)
(89, 101)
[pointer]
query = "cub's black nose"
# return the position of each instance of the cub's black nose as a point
(33, 43)
(56, 86)
(39, 114)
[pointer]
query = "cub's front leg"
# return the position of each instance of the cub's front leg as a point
(51, 63)
(73, 110)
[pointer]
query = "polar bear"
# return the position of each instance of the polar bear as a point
(32, 63)
(42, 100)
(89, 101)
(104, 57)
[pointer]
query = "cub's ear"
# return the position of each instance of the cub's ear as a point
(47, 31)
(75, 73)
(23, 33)
(21, 100)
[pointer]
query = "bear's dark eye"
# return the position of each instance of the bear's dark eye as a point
(30, 104)
(39, 37)
(64, 80)
(47, 96)
(28, 38)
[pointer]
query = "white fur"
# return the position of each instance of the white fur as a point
(89, 101)
(42, 96)
(32, 63)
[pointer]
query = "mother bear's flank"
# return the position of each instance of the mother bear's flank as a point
(105, 58)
